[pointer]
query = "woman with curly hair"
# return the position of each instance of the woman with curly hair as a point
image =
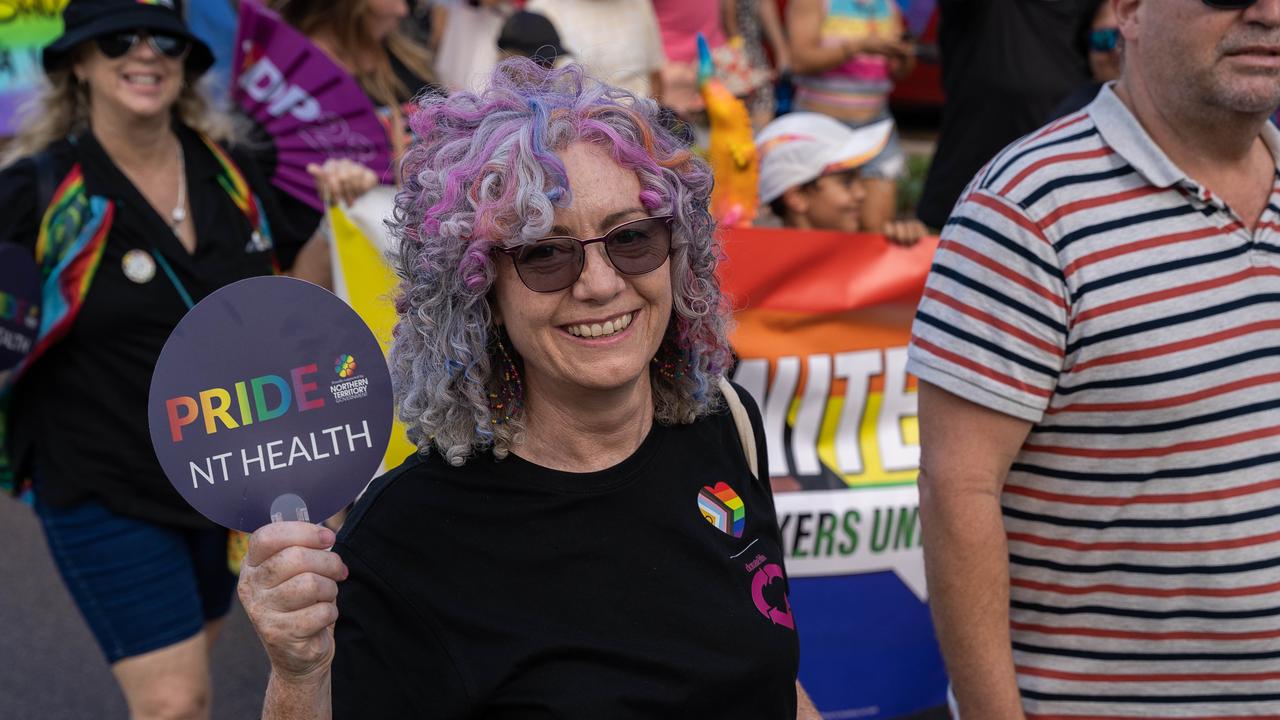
(581, 534)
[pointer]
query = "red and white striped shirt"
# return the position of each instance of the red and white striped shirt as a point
(1084, 283)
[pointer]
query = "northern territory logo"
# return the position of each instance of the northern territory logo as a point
(349, 386)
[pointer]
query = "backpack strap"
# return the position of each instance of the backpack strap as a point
(746, 434)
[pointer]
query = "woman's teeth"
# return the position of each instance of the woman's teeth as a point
(143, 79)
(595, 330)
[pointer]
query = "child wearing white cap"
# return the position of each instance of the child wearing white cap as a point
(809, 173)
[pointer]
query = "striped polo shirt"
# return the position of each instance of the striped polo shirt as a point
(1085, 284)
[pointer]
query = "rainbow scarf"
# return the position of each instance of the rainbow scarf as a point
(72, 237)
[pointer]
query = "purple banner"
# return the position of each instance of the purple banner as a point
(271, 397)
(311, 109)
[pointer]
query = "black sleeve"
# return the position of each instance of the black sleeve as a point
(18, 203)
(292, 222)
(390, 662)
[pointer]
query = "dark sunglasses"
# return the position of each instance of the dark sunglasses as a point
(1229, 4)
(116, 45)
(553, 264)
(1104, 39)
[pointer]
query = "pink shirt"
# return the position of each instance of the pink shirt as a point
(680, 22)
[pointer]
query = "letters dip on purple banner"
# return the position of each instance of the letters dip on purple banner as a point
(19, 306)
(271, 401)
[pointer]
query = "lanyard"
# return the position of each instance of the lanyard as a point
(173, 278)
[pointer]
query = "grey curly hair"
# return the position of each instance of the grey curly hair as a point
(485, 175)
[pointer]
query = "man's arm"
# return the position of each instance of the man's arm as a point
(966, 452)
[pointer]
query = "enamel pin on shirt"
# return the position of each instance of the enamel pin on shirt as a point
(138, 266)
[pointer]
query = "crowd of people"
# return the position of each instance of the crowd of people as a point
(1095, 350)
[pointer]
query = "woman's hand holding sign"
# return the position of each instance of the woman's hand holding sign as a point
(342, 180)
(289, 587)
(291, 425)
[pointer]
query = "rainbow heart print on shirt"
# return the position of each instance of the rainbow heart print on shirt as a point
(722, 507)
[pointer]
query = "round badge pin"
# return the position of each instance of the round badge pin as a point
(139, 266)
(271, 401)
(19, 305)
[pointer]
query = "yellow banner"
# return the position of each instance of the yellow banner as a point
(363, 278)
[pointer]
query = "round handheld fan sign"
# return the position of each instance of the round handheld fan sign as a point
(271, 401)
(19, 306)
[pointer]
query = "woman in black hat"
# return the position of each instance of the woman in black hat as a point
(134, 209)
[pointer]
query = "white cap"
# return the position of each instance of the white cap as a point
(803, 146)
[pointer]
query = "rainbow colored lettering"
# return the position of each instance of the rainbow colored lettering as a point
(16, 310)
(722, 507)
(215, 404)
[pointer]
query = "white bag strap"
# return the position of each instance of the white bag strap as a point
(746, 435)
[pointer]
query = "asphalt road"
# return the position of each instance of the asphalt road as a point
(50, 667)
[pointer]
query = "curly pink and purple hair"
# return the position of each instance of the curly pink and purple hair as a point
(485, 174)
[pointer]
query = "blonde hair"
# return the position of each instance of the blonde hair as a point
(344, 21)
(62, 108)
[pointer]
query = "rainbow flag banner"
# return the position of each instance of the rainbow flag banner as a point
(823, 323)
(26, 26)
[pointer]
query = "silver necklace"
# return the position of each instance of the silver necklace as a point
(179, 213)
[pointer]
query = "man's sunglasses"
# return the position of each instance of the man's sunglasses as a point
(1104, 40)
(553, 264)
(1108, 38)
(116, 45)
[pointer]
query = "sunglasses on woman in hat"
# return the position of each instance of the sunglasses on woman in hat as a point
(117, 26)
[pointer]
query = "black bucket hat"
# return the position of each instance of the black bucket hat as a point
(87, 19)
(532, 35)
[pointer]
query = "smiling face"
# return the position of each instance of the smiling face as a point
(832, 202)
(600, 333)
(141, 84)
(1202, 57)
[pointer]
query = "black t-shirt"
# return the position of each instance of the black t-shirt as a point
(1005, 65)
(505, 590)
(79, 416)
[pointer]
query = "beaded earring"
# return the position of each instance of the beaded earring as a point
(508, 394)
(671, 362)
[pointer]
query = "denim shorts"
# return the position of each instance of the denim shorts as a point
(140, 586)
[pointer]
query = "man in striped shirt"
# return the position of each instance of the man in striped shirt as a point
(1099, 355)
